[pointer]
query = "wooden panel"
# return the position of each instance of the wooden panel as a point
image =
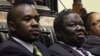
(46, 21)
(3, 16)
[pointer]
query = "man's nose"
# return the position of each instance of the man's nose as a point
(81, 28)
(78, 27)
(34, 23)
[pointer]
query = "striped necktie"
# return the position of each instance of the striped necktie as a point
(83, 51)
(37, 52)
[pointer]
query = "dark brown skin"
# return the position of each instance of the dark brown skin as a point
(26, 25)
(73, 32)
(94, 24)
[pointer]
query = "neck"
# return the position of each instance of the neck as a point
(23, 39)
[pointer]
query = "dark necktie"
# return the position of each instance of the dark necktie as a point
(83, 51)
(37, 51)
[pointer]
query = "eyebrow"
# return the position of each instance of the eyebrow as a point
(32, 16)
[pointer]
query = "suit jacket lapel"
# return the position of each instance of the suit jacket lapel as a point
(42, 48)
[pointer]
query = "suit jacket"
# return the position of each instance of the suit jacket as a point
(92, 41)
(12, 48)
(60, 49)
(92, 44)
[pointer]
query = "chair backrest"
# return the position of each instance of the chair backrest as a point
(3, 32)
(47, 36)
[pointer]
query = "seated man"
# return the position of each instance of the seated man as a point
(92, 24)
(23, 24)
(70, 33)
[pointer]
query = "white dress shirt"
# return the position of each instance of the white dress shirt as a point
(28, 46)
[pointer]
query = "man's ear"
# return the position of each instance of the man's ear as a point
(11, 26)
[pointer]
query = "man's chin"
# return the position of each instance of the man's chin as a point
(35, 38)
(31, 40)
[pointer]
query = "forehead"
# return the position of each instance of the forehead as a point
(25, 10)
(72, 17)
(94, 17)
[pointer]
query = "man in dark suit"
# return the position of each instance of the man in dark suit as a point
(92, 24)
(70, 33)
(23, 24)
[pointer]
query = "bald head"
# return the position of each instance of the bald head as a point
(94, 23)
(94, 17)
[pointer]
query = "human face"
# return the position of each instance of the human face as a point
(73, 29)
(27, 23)
(94, 22)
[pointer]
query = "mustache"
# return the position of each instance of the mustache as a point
(44, 32)
(84, 31)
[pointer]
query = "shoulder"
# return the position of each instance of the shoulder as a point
(58, 50)
(11, 45)
(8, 45)
(95, 51)
(92, 37)
(12, 48)
(55, 47)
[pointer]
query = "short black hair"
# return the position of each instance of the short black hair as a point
(11, 16)
(58, 22)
